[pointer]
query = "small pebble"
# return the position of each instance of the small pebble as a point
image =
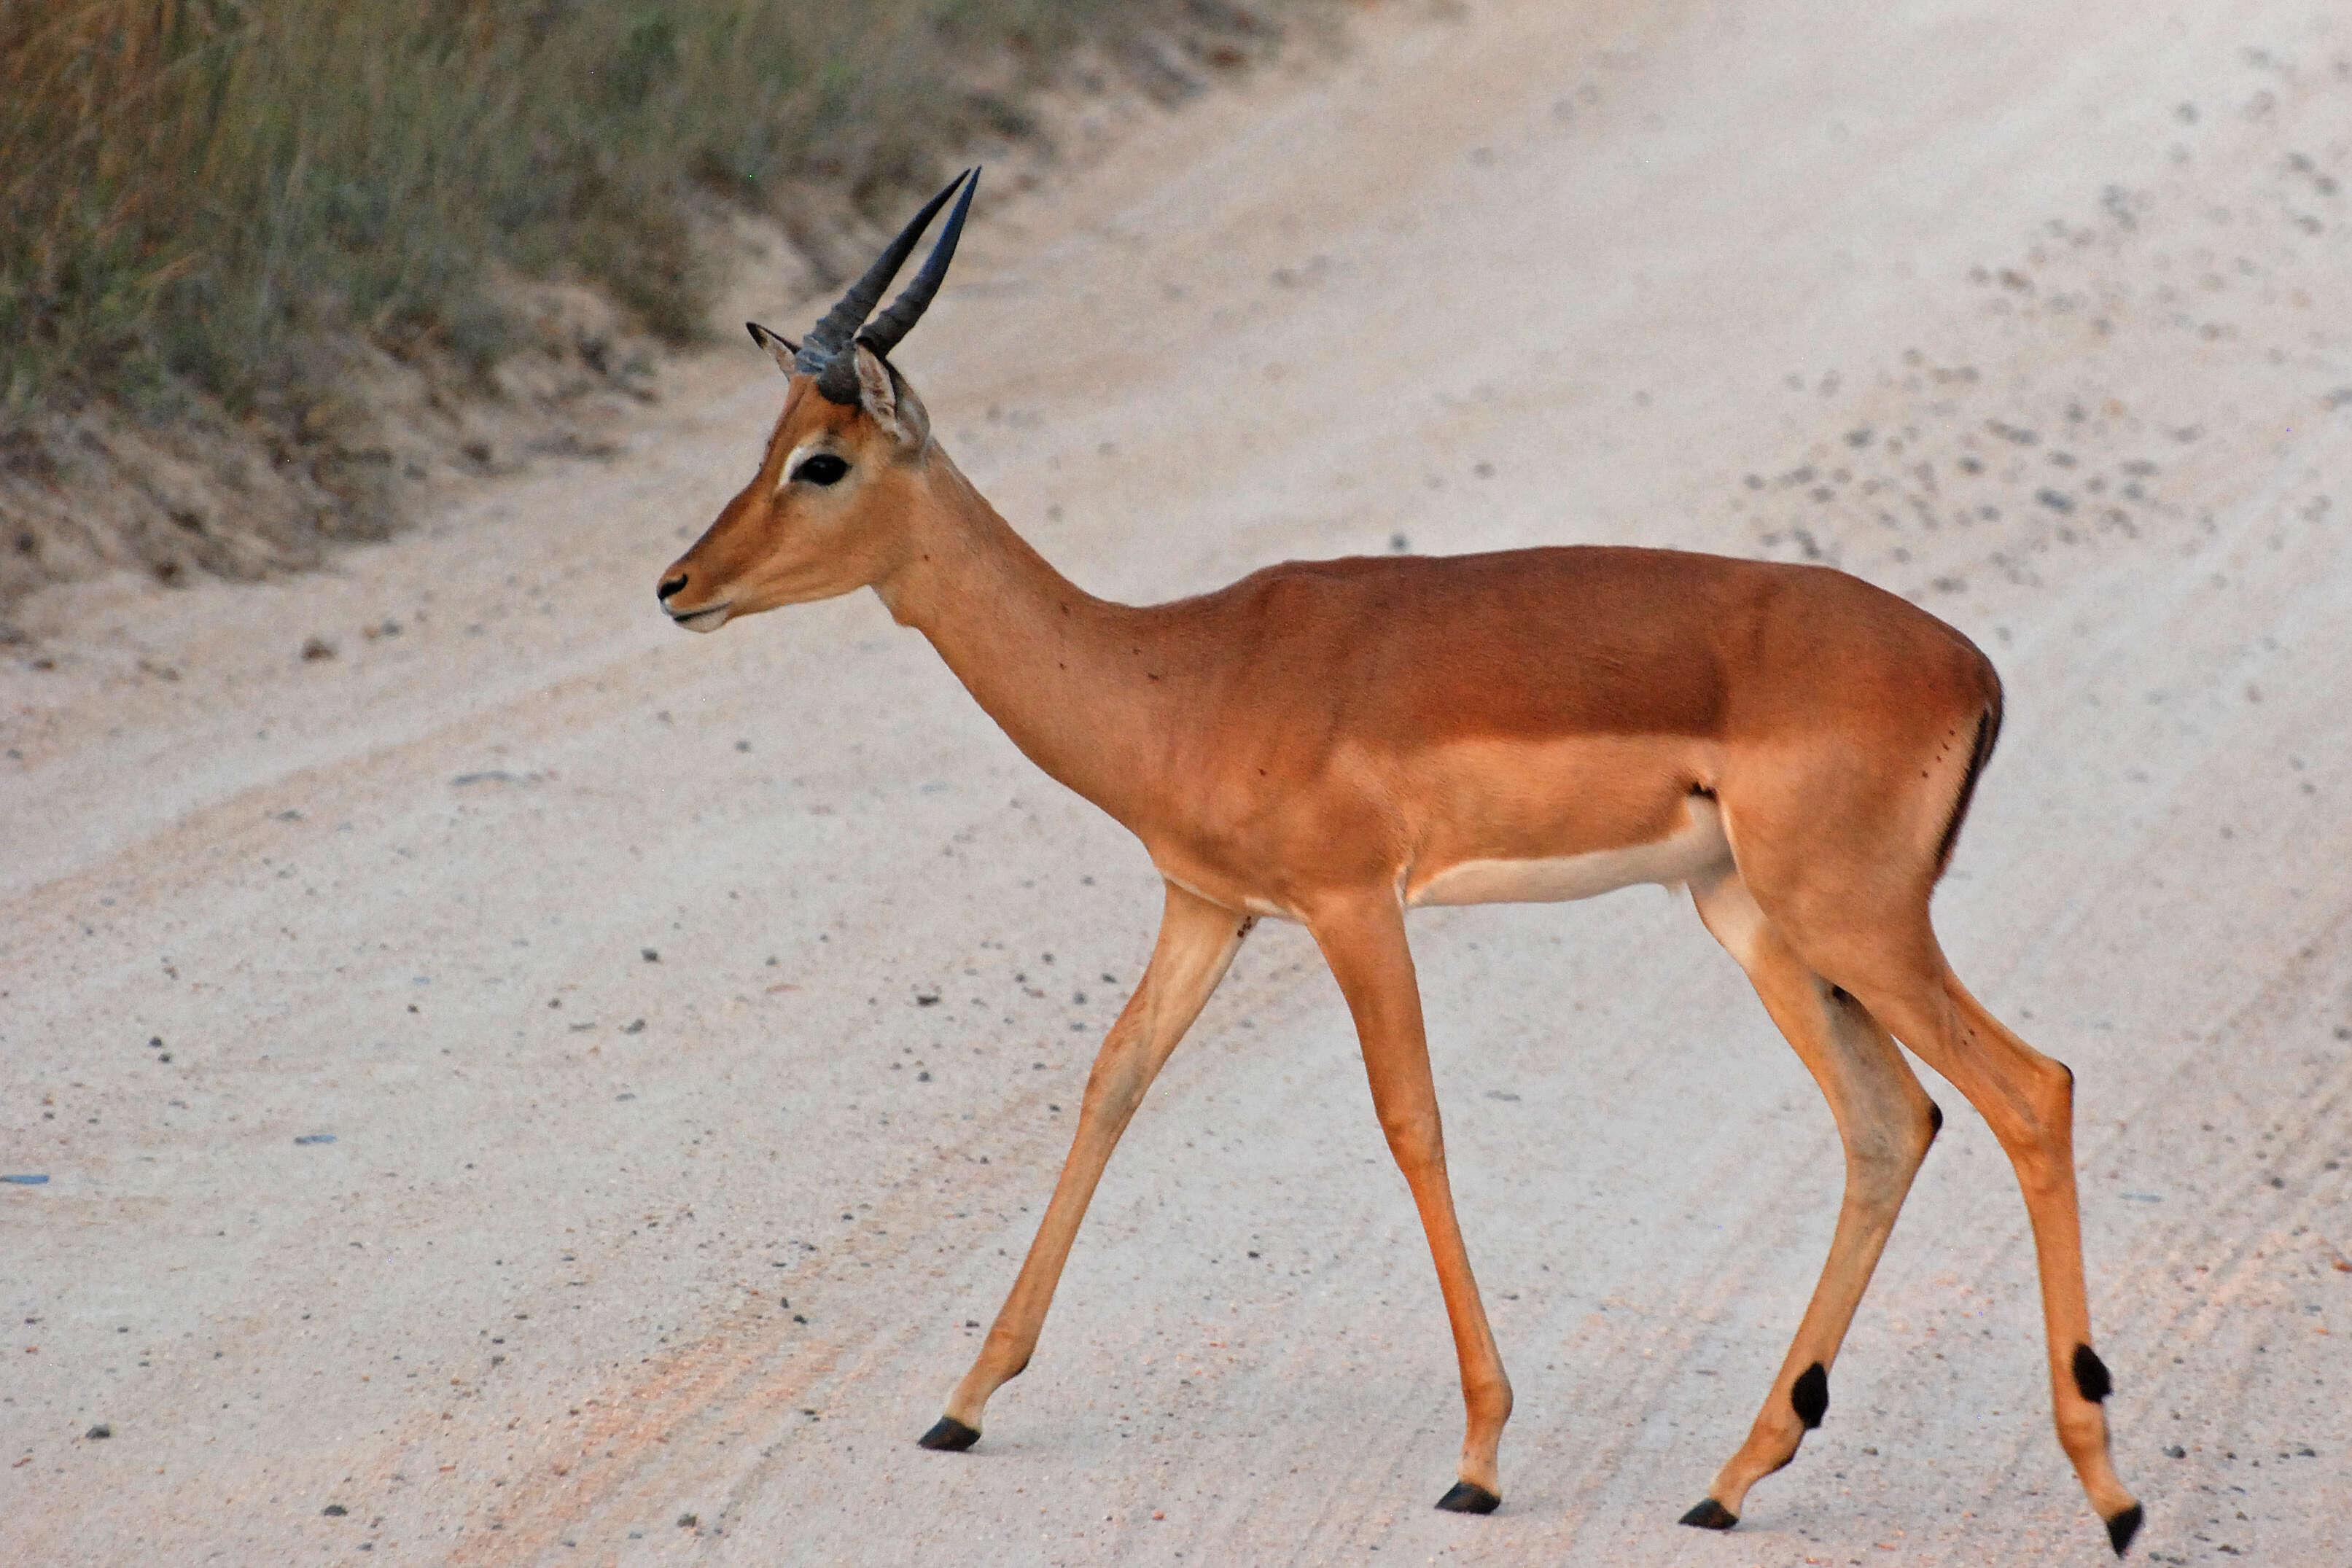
(334, 1511)
(100, 1430)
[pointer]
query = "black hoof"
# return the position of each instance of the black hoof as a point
(2123, 1527)
(1710, 1515)
(1469, 1497)
(950, 1435)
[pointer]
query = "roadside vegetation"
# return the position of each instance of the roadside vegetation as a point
(209, 208)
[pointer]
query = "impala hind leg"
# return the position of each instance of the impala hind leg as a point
(1197, 942)
(1364, 943)
(2029, 1102)
(1884, 1120)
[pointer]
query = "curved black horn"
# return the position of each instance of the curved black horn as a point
(896, 322)
(830, 336)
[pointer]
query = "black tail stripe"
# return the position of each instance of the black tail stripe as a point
(1977, 757)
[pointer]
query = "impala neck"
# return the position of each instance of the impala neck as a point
(1066, 675)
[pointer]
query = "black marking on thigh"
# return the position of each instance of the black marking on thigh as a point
(1840, 995)
(1809, 1396)
(1935, 1120)
(1988, 731)
(2091, 1379)
(1709, 794)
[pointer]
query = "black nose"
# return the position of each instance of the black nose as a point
(670, 587)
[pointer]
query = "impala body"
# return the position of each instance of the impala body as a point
(1503, 729)
(1334, 742)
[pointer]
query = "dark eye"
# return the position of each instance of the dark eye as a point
(823, 468)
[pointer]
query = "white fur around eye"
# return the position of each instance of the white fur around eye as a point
(801, 453)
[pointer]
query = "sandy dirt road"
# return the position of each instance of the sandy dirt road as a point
(700, 1022)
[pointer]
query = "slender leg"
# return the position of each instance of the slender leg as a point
(1364, 943)
(1197, 942)
(1885, 1122)
(2029, 1102)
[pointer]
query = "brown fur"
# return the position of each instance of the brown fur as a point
(1321, 738)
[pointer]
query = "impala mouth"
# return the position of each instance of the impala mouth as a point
(707, 619)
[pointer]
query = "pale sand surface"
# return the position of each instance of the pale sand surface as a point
(1537, 274)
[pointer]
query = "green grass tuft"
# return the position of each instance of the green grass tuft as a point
(195, 193)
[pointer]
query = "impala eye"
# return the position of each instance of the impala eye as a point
(823, 468)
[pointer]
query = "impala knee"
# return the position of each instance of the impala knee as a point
(1007, 1351)
(1883, 1156)
(2082, 1430)
(1925, 1121)
(1910, 1133)
(1115, 1087)
(1488, 1396)
(2053, 1088)
(1879, 1172)
(1416, 1138)
(2036, 1128)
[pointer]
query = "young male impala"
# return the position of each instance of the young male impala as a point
(1335, 742)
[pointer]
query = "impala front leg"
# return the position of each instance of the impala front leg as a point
(1364, 943)
(1197, 942)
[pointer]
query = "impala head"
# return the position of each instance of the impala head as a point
(825, 513)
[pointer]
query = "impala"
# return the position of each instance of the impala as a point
(1335, 742)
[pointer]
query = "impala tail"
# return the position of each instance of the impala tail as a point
(1987, 736)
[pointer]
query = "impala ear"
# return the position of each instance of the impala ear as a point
(888, 400)
(781, 350)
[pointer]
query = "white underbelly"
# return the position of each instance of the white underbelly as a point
(1698, 847)
(1248, 904)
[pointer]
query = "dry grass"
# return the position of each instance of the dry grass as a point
(209, 208)
(190, 188)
